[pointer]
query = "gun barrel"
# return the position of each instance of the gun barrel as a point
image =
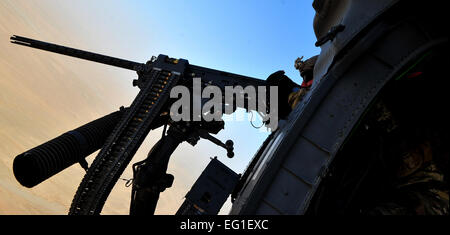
(126, 64)
(40, 163)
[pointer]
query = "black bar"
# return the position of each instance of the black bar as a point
(40, 163)
(126, 64)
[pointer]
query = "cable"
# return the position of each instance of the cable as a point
(251, 122)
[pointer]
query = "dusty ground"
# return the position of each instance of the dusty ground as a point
(42, 95)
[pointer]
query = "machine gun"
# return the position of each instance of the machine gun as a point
(120, 134)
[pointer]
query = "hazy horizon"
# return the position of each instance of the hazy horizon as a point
(44, 95)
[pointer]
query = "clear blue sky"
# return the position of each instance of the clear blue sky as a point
(254, 38)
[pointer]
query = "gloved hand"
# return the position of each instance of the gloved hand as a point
(306, 67)
(285, 87)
